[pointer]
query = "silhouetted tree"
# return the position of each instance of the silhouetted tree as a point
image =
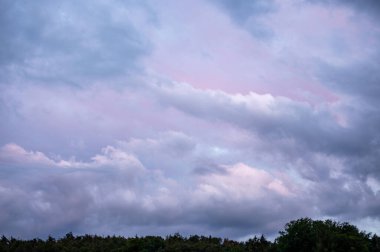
(299, 235)
(308, 235)
(256, 244)
(375, 244)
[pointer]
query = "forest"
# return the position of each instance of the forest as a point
(303, 234)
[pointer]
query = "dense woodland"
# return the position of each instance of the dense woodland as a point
(299, 235)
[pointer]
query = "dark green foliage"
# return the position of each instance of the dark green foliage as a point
(86, 243)
(375, 244)
(258, 245)
(317, 236)
(299, 235)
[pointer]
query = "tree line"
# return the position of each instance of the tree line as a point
(302, 235)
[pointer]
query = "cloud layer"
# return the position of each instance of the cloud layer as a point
(126, 117)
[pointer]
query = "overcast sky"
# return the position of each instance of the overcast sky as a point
(215, 117)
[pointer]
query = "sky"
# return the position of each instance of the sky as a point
(212, 117)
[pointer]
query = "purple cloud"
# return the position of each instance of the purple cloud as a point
(211, 117)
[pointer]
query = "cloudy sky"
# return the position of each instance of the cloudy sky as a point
(215, 117)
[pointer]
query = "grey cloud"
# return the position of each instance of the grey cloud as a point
(75, 118)
(147, 182)
(244, 217)
(174, 159)
(55, 199)
(346, 197)
(307, 140)
(68, 41)
(271, 117)
(42, 206)
(360, 79)
(359, 83)
(242, 10)
(98, 195)
(369, 6)
(247, 14)
(112, 193)
(172, 143)
(208, 168)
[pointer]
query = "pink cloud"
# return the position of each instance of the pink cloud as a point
(241, 181)
(213, 52)
(16, 154)
(109, 157)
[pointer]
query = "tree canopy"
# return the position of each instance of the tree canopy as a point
(299, 235)
(317, 236)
